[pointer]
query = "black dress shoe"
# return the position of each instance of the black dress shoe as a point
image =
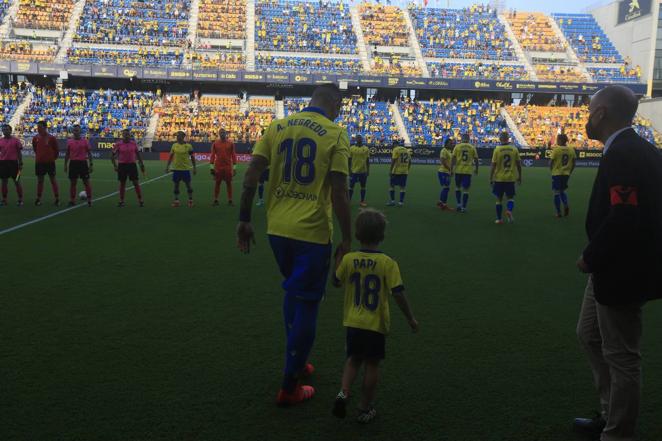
(592, 427)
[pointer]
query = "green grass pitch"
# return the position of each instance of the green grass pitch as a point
(147, 324)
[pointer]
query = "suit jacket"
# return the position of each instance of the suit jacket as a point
(624, 223)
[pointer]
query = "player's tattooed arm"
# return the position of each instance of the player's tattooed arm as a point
(245, 235)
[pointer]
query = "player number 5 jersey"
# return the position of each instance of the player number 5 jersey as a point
(369, 278)
(302, 150)
(465, 156)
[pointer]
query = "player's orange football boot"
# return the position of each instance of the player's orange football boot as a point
(308, 370)
(300, 394)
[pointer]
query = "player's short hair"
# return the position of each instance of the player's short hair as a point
(4, 126)
(466, 137)
(449, 141)
(42, 123)
(370, 226)
(562, 139)
(504, 137)
(180, 132)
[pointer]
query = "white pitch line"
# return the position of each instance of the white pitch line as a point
(66, 210)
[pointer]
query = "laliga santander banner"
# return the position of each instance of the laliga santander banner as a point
(204, 157)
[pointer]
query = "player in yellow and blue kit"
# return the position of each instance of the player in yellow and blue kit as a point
(444, 173)
(182, 160)
(359, 158)
(465, 162)
(370, 278)
(562, 164)
(506, 170)
(308, 157)
(400, 165)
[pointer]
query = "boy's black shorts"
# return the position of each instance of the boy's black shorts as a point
(362, 343)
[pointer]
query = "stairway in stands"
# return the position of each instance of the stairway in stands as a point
(413, 42)
(68, 39)
(250, 35)
(360, 40)
(400, 124)
(20, 111)
(513, 127)
(521, 56)
(10, 15)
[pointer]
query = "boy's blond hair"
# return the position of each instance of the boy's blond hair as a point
(370, 226)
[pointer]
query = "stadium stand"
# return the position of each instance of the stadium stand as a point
(623, 74)
(4, 6)
(201, 119)
(556, 72)
(470, 33)
(383, 25)
(478, 70)
(294, 26)
(43, 14)
(103, 113)
(645, 128)
(27, 51)
(10, 98)
(231, 13)
(126, 57)
(224, 60)
(307, 64)
(136, 22)
(587, 38)
(431, 122)
(395, 65)
(535, 33)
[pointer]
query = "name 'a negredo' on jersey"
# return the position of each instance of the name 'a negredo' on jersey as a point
(307, 123)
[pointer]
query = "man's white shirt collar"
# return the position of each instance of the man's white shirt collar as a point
(611, 139)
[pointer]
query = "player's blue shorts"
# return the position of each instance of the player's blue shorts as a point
(399, 181)
(305, 266)
(560, 183)
(462, 180)
(264, 177)
(361, 178)
(444, 179)
(501, 188)
(181, 175)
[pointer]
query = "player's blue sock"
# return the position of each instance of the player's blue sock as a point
(510, 205)
(465, 200)
(444, 195)
(392, 193)
(362, 194)
(260, 191)
(301, 324)
(557, 203)
(564, 199)
(458, 197)
(351, 193)
(402, 196)
(499, 210)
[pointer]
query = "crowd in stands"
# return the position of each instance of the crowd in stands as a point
(395, 66)
(26, 51)
(4, 6)
(622, 74)
(126, 57)
(535, 33)
(587, 38)
(43, 14)
(307, 64)
(645, 128)
(469, 33)
(137, 22)
(539, 125)
(557, 72)
(216, 60)
(226, 19)
(323, 27)
(383, 25)
(432, 122)
(507, 72)
(202, 118)
(10, 99)
(103, 113)
(373, 120)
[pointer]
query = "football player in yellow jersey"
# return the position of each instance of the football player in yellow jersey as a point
(444, 173)
(370, 278)
(562, 164)
(465, 161)
(506, 170)
(184, 160)
(359, 158)
(308, 158)
(400, 165)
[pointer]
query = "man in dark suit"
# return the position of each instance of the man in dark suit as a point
(624, 260)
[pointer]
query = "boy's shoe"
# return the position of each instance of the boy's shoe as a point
(363, 204)
(366, 416)
(215, 203)
(300, 394)
(591, 427)
(308, 370)
(190, 203)
(175, 204)
(566, 212)
(509, 217)
(340, 405)
(120, 204)
(391, 204)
